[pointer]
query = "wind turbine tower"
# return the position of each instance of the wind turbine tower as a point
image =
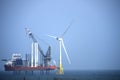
(60, 69)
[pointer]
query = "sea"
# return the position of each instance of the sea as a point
(68, 75)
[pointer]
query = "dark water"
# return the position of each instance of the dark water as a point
(69, 75)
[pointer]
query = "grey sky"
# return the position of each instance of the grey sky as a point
(92, 42)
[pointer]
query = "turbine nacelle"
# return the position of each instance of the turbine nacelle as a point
(59, 38)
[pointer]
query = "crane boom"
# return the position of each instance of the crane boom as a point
(34, 40)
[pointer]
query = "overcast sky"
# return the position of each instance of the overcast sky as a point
(92, 41)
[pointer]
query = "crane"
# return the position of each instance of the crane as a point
(45, 58)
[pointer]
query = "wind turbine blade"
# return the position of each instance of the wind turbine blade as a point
(52, 36)
(65, 52)
(67, 28)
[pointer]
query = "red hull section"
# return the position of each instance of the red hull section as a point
(23, 68)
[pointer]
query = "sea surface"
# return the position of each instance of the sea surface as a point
(68, 75)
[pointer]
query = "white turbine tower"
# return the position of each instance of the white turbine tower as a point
(61, 44)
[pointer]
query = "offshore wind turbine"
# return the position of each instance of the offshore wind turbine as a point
(61, 45)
